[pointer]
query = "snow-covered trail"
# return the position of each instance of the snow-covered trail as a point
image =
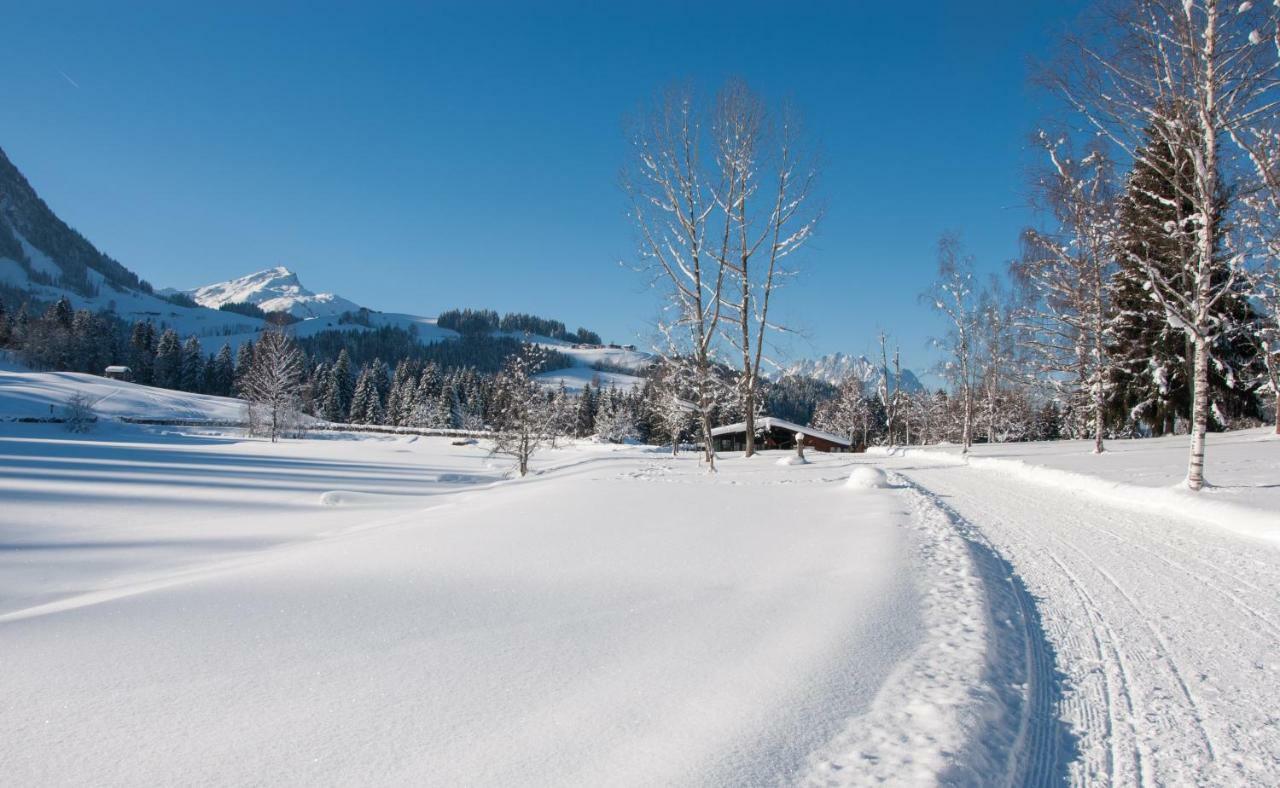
(1167, 629)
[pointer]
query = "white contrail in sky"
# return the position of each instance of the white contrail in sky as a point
(74, 84)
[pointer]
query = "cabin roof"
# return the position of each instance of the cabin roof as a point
(769, 423)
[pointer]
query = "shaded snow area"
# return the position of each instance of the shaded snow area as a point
(179, 608)
(1164, 619)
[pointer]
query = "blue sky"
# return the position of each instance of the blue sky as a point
(415, 157)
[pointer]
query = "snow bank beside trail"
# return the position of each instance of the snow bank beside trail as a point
(1174, 501)
(954, 711)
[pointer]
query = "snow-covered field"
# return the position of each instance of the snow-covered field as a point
(391, 610)
(182, 605)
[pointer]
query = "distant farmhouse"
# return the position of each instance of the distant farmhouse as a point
(118, 372)
(774, 433)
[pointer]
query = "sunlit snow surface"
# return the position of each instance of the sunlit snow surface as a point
(191, 606)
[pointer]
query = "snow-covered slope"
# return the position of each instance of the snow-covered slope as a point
(39, 395)
(130, 305)
(835, 368)
(41, 255)
(274, 290)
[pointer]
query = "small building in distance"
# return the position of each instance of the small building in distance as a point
(118, 372)
(774, 433)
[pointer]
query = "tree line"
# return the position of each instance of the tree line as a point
(487, 321)
(1147, 301)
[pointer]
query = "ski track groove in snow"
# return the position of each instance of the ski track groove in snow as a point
(1165, 627)
(1037, 752)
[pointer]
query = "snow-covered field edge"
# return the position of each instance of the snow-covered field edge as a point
(1176, 500)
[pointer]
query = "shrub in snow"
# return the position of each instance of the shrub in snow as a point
(78, 415)
(867, 477)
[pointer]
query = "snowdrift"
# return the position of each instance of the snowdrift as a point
(867, 477)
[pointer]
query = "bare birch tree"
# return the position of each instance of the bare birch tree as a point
(1188, 74)
(953, 296)
(672, 201)
(1065, 274)
(764, 199)
(524, 415)
(889, 386)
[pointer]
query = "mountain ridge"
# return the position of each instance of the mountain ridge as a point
(835, 368)
(275, 289)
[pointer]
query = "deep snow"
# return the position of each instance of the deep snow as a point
(180, 605)
(619, 618)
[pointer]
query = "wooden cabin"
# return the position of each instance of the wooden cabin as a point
(118, 372)
(772, 433)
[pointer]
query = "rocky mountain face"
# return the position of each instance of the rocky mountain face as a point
(836, 367)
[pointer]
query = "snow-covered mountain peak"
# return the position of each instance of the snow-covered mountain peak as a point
(836, 367)
(275, 289)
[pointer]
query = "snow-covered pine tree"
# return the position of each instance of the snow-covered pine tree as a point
(192, 377)
(244, 365)
(431, 404)
(339, 390)
(361, 400)
(142, 350)
(403, 392)
(272, 385)
(616, 417)
(585, 416)
(380, 376)
(223, 373)
(1184, 76)
(168, 365)
(316, 389)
